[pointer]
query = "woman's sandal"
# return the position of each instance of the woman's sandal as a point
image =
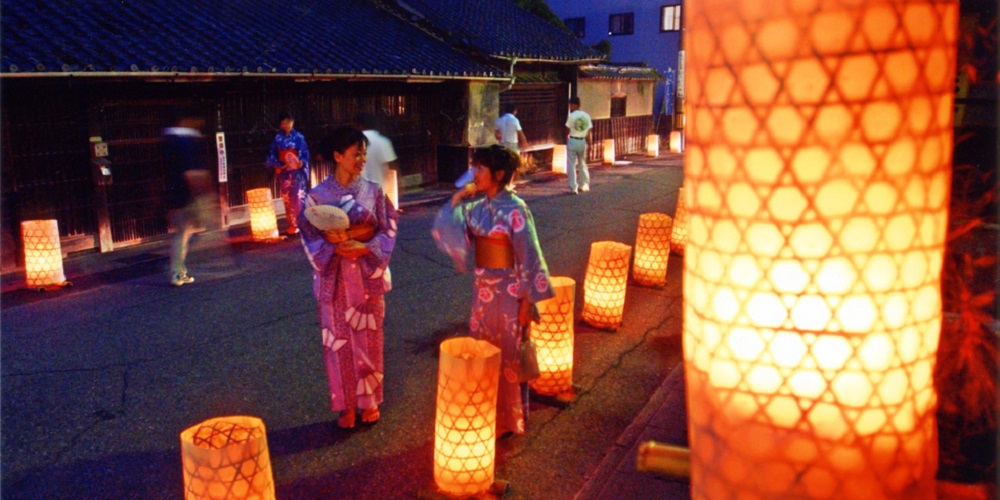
(346, 420)
(370, 416)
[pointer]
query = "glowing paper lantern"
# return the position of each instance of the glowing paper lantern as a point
(609, 151)
(227, 457)
(652, 249)
(465, 436)
(678, 233)
(43, 263)
(677, 141)
(605, 283)
(392, 187)
(553, 337)
(818, 164)
(559, 159)
(653, 145)
(263, 222)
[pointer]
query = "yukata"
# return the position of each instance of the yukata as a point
(292, 183)
(496, 292)
(349, 292)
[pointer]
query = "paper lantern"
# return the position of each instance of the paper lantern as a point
(653, 145)
(652, 249)
(43, 263)
(678, 233)
(604, 284)
(609, 151)
(677, 141)
(818, 164)
(553, 337)
(263, 222)
(465, 436)
(559, 159)
(392, 187)
(227, 457)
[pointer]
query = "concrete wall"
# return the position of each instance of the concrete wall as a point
(595, 96)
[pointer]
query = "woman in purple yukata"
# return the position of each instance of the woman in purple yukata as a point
(510, 276)
(350, 278)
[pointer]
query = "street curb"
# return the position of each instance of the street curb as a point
(622, 455)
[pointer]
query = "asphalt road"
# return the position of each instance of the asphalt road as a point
(98, 381)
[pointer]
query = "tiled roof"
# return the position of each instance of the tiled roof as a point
(333, 37)
(499, 28)
(620, 72)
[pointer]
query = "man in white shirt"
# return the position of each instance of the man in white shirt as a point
(380, 154)
(508, 130)
(578, 125)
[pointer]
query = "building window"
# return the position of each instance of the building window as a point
(577, 25)
(618, 106)
(670, 18)
(620, 24)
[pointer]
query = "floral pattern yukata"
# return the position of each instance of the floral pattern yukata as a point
(349, 292)
(497, 291)
(292, 183)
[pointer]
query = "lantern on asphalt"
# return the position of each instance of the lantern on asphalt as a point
(679, 229)
(677, 141)
(653, 145)
(559, 159)
(227, 457)
(263, 222)
(604, 284)
(43, 263)
(392, 187)
(818, 164)
(609, 151)
(465, 426)
(553, 337)
(652, 249)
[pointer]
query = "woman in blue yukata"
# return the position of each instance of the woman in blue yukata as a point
(350, 278)
(510, 276)
(289, 158)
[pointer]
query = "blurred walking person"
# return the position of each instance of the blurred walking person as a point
(578, 126)
(189, 187)
(381, 156)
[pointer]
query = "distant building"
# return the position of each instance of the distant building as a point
(639, 31)
(76, 72)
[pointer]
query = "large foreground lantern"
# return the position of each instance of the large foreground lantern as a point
(652, 249)
(679, 229)
(465, 426)
(817, 167)
(227, 457)
(609, 151)
(559, 159)
(43, 262)
(605, 283)
(263, 222)
(553, 337)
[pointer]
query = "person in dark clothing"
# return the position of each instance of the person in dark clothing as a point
(189, 185)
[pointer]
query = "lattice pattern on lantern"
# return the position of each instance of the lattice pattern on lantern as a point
(652, 249)
(605, 283)
(227, 457)
(817, 161)
(553, 337)
(43, 263)
(679, 230)
(465, 435)
(559, 159)
(263, 222)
